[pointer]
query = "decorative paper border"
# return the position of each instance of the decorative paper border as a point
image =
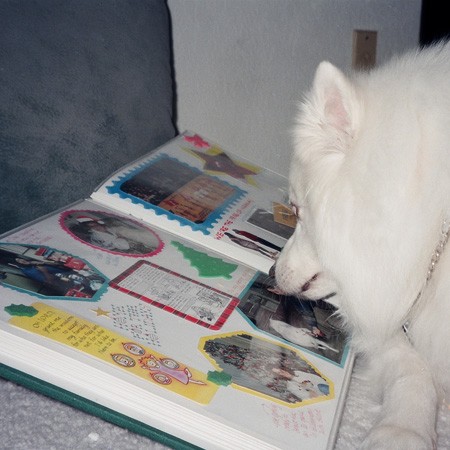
(226, 310)
(213, 217)
(267, 362)
(43, 248)
(89, 213)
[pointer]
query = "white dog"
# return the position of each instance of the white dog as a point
(370, 182)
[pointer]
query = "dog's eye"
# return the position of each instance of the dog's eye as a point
(295, 210)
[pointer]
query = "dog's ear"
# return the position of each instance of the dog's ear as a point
(334, 99)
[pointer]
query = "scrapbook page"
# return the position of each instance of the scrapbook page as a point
(169, 332)
(194, 188)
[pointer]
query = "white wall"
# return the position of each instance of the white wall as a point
(241, 65)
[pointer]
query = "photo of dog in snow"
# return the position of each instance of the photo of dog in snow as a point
(370, 185)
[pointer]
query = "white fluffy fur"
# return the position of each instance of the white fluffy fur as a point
(371, 176)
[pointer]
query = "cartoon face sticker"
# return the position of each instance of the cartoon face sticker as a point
(123, 360)
(165, 370)
(134, 349)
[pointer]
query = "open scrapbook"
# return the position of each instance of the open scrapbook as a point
(152, 299)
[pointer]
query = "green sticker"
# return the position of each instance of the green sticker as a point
(220, 378)
(206, 265)
(21, 310)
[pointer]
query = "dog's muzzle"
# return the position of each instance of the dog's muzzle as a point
(304, 287)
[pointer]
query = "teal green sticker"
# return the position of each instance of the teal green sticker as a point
(21, 310)
(206, 265)
(220, 378)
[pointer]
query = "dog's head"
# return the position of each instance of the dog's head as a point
(361, 185)
(323, 132)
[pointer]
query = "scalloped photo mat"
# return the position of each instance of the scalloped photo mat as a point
(213, 217)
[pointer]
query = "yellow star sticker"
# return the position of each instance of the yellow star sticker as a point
(101, 312)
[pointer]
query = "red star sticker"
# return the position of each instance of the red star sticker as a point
(197, 141)
(223, 163)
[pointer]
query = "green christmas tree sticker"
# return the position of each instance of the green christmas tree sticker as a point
(206, 265)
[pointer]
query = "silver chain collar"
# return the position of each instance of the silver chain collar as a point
(445, 232)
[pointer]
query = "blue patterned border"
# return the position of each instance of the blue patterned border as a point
(205, 227)
(95, 298)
